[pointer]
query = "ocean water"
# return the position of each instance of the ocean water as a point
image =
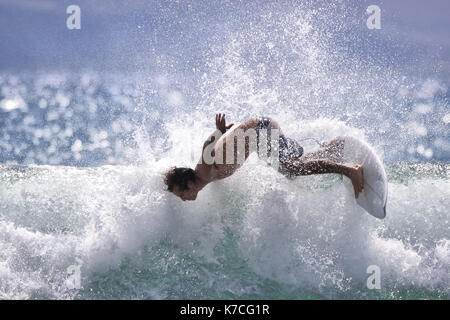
(253, 236)
(84, 213)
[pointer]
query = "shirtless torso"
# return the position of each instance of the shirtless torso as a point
(295, 165)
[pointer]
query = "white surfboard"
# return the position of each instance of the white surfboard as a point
(374, 196)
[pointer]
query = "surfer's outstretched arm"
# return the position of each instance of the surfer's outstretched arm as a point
(212, 140)
(355, 174)
(221, 128)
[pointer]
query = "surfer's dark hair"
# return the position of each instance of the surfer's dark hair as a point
(179, 177)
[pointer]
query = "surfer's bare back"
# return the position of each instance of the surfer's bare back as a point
(186, 182)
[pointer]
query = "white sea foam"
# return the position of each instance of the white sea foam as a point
(307, 234)
(252, 234)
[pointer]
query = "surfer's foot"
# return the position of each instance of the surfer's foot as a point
(356, 176)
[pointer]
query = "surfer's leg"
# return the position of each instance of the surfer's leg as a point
(332, 152)
(287, 148)
(354, 173)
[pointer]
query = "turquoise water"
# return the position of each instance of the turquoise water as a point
(252, 236)
(90, 120)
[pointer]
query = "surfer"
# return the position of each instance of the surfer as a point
(186, 182)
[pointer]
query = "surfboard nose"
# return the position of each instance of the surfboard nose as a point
(374, 197)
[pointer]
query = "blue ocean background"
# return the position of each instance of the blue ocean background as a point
(90, 119)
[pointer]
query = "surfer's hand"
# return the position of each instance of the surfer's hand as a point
(220, 123)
